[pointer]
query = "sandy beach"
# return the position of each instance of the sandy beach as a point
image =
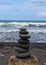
(39, 52)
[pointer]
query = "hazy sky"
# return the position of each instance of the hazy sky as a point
(22, 9)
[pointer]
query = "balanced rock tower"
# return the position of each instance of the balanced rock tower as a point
(23, 55)
(23, 50)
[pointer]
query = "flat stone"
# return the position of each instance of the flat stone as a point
(23, 41)
(24, 36)
(44, 63)
(25, 46)
(2, 55)
(22, 29)
(21, 50)
(23, 32)
(23, 55)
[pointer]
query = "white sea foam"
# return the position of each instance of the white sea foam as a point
(41, 41)
(13, 29)
(17, 30)
(22, 24)
(27, 23)
(14, 24)
(37, 31)
(7, 31)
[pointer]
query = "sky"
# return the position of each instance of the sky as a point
(22, 9)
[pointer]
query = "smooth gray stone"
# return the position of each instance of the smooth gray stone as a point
(22, 29)
(24, 36)
(25, 46)
(23, 55)
(23, 41)
(21, 50)
(23, 32)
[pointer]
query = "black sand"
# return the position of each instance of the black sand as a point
(6, 52)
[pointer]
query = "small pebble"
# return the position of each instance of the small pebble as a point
(44, 63)
(1, 55)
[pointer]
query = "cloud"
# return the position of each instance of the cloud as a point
(39, 2)
(21, 7)
(14, 5)
(41, 13)
(5, 3)
(5, 7)
(27, 4)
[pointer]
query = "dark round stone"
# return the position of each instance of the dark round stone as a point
(23, 55)
(21, 50)
(24, 46)
(23, 41)
(24, 36)
(23, 32)
(22, 29)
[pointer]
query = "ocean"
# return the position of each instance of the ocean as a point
(9, 30)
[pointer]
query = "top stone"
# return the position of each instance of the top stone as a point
(23, 29)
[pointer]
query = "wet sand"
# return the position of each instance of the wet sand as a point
(6, 52)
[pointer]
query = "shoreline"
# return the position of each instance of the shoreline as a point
(14, 44)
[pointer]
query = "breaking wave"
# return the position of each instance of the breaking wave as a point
(22, 24)
(14, 26)
(9, 31)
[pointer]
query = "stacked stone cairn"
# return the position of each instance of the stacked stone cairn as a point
(23, 47)
(22, 56)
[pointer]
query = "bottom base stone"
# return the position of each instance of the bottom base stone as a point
(29, 61)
